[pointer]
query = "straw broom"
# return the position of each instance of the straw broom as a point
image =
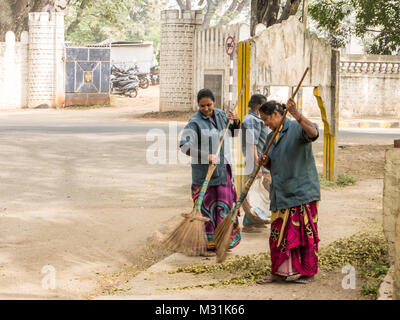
(224, 230)
(189, 236)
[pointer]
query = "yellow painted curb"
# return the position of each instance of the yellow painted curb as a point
(384, 125)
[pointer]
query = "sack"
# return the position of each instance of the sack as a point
(258, 201)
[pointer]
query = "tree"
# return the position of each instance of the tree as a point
(269, 12)
(92, 21)
(375, 21)
(14, 14)
(216, 12)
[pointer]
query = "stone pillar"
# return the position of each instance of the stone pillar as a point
(396, 284)
(391, 212)
(176, 58)
(46, 59)
(391, 197)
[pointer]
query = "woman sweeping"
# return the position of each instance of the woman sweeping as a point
(200, 139)
(294, 194)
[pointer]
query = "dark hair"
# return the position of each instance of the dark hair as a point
(269, 107)
(255, 100)
(205, 93)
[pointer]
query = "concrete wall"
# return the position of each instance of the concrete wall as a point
(281, 53)
(391, 197)
(32, 70)
(396, 284)
(391, 212)
(370, 85)
(14, 72)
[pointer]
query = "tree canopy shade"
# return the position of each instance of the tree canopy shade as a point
(375, 21)
(93, 21)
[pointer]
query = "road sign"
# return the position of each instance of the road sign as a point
(229, 45)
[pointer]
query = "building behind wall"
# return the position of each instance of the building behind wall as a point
(128, 53)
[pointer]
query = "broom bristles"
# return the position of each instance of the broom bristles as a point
(188, 237)
(223, 247)
(222, 237)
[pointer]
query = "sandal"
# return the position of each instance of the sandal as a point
(271, 279)
(304, 279)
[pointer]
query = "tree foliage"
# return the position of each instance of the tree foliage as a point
(375, 21)
(92, 21)
(14, 13)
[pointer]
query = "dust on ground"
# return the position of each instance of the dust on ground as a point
(364, 163)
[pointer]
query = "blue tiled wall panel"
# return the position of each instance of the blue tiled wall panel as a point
(77, 54)
(96, 77)
(70, 76)
(99, 54)
(105, 77)
(87, 66)
(79, 78)
(88, 88)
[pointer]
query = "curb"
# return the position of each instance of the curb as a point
(364, 124)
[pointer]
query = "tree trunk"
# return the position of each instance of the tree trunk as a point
(233, 6)
(71, 28)
(14, 14)
(289, 9)
(266, 12)
(242, 5)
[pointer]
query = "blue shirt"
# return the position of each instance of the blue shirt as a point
(254, 132)
(202, 134)
(293, 170)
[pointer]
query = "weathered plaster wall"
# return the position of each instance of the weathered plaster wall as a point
(282, 52)
(370, 86)
(391, 197)
(14, 71)
(396, 284)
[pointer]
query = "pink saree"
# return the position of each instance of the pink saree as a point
(294, 240)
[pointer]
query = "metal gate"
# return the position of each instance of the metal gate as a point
(87, 76)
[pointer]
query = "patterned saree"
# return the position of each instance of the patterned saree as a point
(217, 203)
(294, 240)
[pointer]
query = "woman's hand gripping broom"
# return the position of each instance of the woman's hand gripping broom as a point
(189, 236)
(223, 232)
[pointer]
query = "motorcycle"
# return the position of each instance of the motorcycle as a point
(123, 83)
(154, 75)
(144, 77)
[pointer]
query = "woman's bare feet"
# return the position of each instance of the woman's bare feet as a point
(304, 279)
(272, 278)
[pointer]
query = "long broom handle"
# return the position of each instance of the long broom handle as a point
(212, 166)
(250, 181)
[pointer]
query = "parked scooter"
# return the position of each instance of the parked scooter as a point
(144, 77)
(123, 83)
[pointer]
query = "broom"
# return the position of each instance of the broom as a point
(224, 230)
(189, 236)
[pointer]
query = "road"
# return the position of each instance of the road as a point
(78, 194)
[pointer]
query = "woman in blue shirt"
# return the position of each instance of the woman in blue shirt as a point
(294, 194)
(200, 139)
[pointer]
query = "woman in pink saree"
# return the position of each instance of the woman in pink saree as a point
(294, 194)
